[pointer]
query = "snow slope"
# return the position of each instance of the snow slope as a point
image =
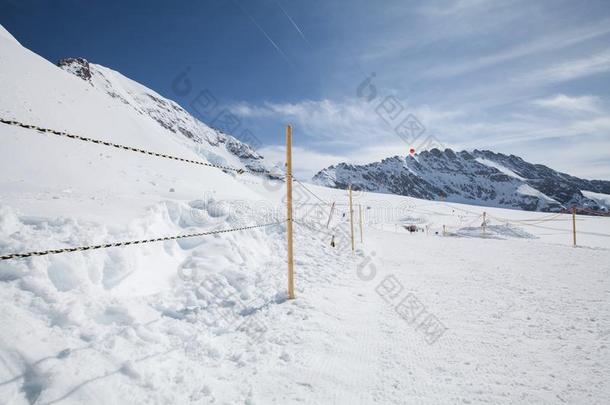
(601, 198)
(214, 145)
(499, 167)
(35, 91)
(524, 316)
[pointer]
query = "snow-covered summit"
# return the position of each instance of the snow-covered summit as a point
(476, 177)
(165, 112)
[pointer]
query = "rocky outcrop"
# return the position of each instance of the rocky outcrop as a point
(76, 66)
(476, 177)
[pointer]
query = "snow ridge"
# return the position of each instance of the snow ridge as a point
(165, 112)
(478, 177)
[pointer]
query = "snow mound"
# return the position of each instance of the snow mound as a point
(120, 270)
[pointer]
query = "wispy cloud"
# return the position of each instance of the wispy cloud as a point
(550, 42)
(336, 122)
(454, 8)
(569, 70)
(349, 122)
(306, 161)
(567, 103)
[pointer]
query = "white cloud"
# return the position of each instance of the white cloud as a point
(332, 122)
(305, 162)
(547, 43)
(453, 8)
(522, 128)
(437, 21)
(567, 103)
(348, 122)
(569, 70)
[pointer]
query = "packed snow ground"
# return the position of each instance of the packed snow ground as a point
(526, 315)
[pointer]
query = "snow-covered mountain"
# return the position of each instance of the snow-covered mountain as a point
(477, 177)
(167, 113)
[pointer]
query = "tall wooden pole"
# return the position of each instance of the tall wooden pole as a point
(330, 215)
(360, 215)
(351, 216)
(574, 225)
(289, 211)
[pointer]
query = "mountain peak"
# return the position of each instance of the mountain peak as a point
(77, 66)
(167, 114)
(480, 177)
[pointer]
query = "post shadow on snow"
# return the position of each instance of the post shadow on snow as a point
(278, 298)
(125, 369)
(34, 381)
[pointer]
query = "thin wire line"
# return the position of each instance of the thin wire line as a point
(127, 243)
(119, 146)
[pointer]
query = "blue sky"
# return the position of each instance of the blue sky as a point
(521, 77)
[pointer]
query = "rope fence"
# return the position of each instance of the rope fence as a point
(312, 193)
(131, 242)
(122, 147)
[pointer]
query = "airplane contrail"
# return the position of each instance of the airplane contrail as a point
(294, 24)
(271, 41)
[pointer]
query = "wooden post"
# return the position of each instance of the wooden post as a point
(574, 225)
(351, 215)
(444, 232)
(330, 215)
(360, 212)
(484, 219)
(289, 211)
